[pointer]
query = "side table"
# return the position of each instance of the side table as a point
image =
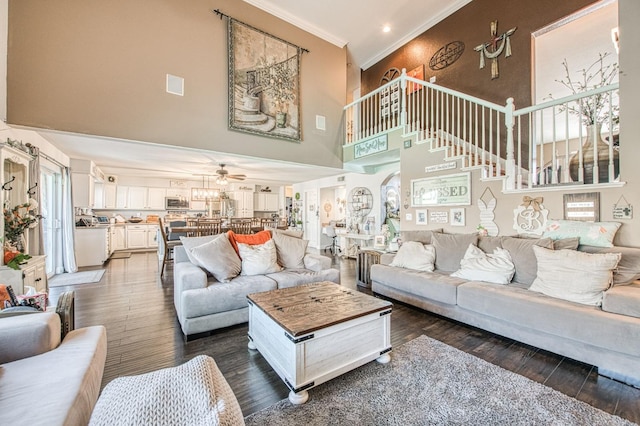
(364, 260)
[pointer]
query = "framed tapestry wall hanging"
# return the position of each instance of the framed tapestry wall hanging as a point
(264, 83)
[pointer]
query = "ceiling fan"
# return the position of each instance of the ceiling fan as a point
(223, 175)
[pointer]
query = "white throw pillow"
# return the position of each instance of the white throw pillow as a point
(218, 257)
(574, 275)
(290, 250)
(259, 259)
(415, 255)
(476, 265)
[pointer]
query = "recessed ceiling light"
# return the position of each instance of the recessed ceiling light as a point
(386, 29)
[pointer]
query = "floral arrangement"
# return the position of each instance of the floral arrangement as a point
(597, 108)
(18, 219)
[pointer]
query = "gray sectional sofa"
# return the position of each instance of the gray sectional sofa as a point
(204, 303)
(607, 336)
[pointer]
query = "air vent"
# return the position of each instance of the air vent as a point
(340, 178)
(175, 85)
(112, 179)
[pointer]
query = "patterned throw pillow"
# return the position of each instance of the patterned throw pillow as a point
(251, 239)
(477, 265)
(598, 234)
(415, 255)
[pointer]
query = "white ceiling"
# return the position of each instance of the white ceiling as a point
(355, 23)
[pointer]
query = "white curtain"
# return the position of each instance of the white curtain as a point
(68, 224)
(35, 235)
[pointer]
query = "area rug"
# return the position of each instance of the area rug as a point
(84, 277)
(430, 383)
(120, 255)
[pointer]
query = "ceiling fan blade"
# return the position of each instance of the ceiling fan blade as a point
(236, 177)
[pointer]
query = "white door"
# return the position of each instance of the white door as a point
(311, 218)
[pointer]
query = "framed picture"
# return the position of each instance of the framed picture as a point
(584, 207)
(421, 217)
(418, 74)
(264, 83)
(379, 241)
(452, 190)
(457, 217)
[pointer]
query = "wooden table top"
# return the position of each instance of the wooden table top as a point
(309, 307)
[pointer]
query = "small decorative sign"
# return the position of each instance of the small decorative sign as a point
(457, 217)
(421, 217)
(439, 217)
(622, 209)
(584, 207)
(453, 190)
(371, 146)
(440, 167)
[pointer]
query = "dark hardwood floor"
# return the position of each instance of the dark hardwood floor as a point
(143, 334)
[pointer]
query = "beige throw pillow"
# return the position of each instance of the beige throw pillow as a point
(218, 257)
(290, 250)
(415, 255)
(477, 265)
(573, 275)
(259, 259)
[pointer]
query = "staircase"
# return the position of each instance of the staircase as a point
(521, 147)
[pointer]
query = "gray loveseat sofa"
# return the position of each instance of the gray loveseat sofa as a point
(607, 336)
(204, 303)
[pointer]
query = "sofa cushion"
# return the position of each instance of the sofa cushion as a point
(423, 237)
(435, 285)
(258, 259)
(599, 234)
(557, 317)
(477, 265)
(296, 233)
(558, 272)
(415, 255)
(488, 244)
(222, 297)
(628, 269)
(191, 242)
(566, 243)
(218, 257)
(624, 300)
(450, 249)
(290, 250)
(295, 277)
(521, 251)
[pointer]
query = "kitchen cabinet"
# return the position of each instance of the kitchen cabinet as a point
(155, 198)
(243, 203)
(152, 236)
(122, 197)
(265, 202)
(83, 189)
(92, 245)
(139, 198)
(32, 273)
(109, 196)
(117, 237)
(142, 236)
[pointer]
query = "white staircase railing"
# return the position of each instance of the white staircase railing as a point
(541, 145)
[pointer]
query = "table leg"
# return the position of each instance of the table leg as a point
(298, 398)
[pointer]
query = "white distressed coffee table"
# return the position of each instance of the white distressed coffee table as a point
(312, 333)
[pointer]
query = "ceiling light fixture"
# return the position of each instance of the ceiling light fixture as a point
(386, 29)
(221, 180)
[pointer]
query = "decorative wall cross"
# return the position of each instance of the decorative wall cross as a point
(498, 44)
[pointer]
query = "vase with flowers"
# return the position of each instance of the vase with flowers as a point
(594, 111)
(16, 222)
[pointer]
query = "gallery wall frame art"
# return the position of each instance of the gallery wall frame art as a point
(264, 83)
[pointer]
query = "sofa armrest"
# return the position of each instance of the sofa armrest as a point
(387, 258)
(24, 336)
(316, 262)
(180, 255)
(187, 276)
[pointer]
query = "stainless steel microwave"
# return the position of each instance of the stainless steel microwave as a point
(176, 203)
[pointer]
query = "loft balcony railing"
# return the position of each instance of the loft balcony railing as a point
(545, 145)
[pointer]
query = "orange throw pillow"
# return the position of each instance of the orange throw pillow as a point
(251, 239)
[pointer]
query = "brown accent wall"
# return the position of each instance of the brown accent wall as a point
(471, 25)
(99, 68)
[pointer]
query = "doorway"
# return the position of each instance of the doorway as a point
(311, 218)
(50, 204)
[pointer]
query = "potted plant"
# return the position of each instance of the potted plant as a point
(593, 111)
(16, 221)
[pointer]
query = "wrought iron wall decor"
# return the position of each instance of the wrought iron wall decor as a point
(446, 55)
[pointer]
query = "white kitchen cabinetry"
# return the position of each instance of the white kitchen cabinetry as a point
(118, 237)
(92, 245)
(109, 195)
(155, 198)
(243, 203)
(152, 236)
(32, 273)
(83, 189)
(137, 198)
(265, 202)
(122, 197)
(137, 236)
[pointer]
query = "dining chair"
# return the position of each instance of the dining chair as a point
(243, 227)
(192, 222)
(208, 227)
(255, 221)
(268, 223)
(167, 245)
